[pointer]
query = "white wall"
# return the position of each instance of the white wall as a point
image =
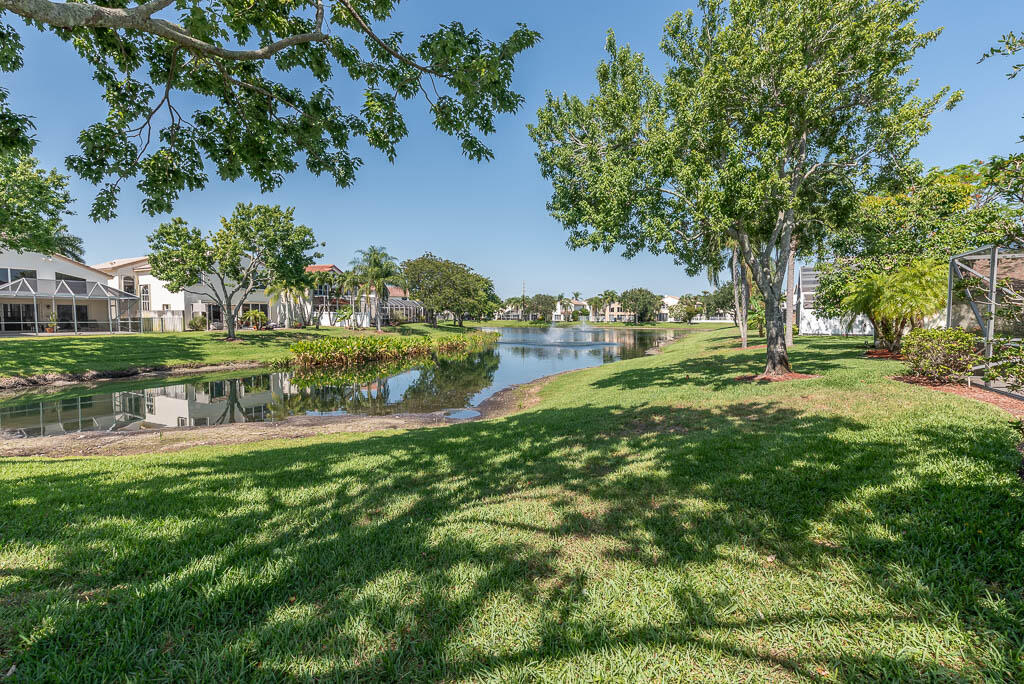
(46, 267)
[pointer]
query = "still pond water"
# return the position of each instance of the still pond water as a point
(456, 386)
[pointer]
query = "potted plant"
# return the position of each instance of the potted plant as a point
(51, 325)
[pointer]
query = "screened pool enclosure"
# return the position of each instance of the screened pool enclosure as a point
(986, 296)
(37, 305)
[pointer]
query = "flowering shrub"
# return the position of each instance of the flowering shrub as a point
(353, 351)
(941, 355)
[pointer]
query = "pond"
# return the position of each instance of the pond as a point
(455, 386)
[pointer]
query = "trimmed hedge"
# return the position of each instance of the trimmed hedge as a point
(340, 352)
(941, 355)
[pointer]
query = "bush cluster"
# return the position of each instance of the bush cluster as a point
(353, 351)
(941, 355)
(198, 323)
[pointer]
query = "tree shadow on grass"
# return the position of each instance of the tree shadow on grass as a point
(553, 538)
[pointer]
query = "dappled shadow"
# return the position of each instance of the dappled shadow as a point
(721, 368)
(486, 549)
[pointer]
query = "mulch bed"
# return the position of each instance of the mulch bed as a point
(1015, 407)
(883, 354)
(775, 378)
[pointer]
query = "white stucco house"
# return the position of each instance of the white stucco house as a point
(42, 293)
(163, 310)
(811, 323)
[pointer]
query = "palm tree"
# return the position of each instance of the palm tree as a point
(564, 304)
(291, 296)
(375, 269)
(609, 297)
(595, 304)
(576, 295)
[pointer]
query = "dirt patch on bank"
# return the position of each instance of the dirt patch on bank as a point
(17, 383)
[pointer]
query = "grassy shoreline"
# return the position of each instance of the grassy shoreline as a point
(34, 357)
(649, 519)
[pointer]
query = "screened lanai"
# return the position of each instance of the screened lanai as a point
(986, 296)
(36, 306)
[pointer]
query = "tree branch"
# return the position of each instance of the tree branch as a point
(77, 15)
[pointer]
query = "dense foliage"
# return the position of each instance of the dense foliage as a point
(255, 246)
(942, 214)
(643, 303)
(940, 354)
(33, 204)
(156, 62)
(373, 271)
(686, 309)
(353, 351)
(442, 285)
(770, 113)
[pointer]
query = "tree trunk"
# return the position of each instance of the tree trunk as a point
(229, 320)
(775, 322)
(790, 295)
(377, 313)
(740, 300)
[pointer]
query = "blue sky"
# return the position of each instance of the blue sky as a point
(492, 216)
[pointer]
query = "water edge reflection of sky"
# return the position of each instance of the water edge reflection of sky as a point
(521, 355)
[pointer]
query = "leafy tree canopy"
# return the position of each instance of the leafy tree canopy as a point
(542, 305)
(33, 204)
(443, 285)
(942, 214)
(642, 302)
(255, 246)
(198, 88)
(769, 116)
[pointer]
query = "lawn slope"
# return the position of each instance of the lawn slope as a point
(650, 519)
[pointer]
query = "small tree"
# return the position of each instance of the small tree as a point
(899, 300)
(688, 308)
(642, 302)
(257, 245)
(254, 317)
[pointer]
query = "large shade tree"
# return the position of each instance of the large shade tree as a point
(770, 114)
(443, 285)
(196, 89)
(254, 247)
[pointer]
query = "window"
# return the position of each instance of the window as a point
(17, 318)
(144, 295)
(9, 275)
(65, 276)
(128, 284)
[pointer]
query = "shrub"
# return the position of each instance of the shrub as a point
(941, 355)
(1007, 363)
(198, 323)
(352, 351)
(254, 317)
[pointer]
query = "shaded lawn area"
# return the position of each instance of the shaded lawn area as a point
(649, 519)
(27, 356)
(598, 324)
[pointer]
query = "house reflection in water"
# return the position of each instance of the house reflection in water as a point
(189, 405)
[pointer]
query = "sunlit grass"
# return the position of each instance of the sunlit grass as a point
(650, 519)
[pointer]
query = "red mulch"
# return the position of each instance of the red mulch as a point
(1015, 407)
(775, 378)
(883, 354)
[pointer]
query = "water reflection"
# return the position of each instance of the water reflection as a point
(522, 355)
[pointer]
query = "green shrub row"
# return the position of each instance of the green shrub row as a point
(941, 355)
(355, 351)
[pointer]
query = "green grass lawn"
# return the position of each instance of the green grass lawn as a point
(650, 519)
(27, 356)
(598, 324)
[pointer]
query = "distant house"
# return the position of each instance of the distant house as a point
(564, 312)
(40, 292)
(811, 323)
(164, 310)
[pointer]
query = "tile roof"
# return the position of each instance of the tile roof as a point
(321, 268)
